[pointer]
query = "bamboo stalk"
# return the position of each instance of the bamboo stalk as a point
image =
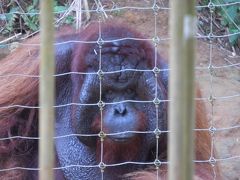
(182, 112)
(47, 92)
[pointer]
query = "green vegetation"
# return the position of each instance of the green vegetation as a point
(23, 16)
(230, 18)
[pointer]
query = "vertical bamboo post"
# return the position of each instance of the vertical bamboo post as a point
(47, 91)
(182, 115)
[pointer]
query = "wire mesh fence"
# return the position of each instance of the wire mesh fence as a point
(158, 39)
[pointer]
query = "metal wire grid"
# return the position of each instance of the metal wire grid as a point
(116, 8)
(155, 8)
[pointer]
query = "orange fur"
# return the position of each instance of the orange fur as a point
(24, 91)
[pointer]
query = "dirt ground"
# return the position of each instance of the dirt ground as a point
(226, 81)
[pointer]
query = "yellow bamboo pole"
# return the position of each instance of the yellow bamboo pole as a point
(47, 92)
(181, 115)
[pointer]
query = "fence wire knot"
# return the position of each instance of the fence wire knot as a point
(102, 166)
(115, 7)
(157, 132)
(155, 9)
(102, 135)
(211, 69)
(211, 6)
(100, 74)
(212, 130)
(212, 161)
(99, 9)
(100, 42)
(101, 105)
(210, 37)
(156, 40)
(156, 70)
(156, 101)
(211, 99)
(157, 163)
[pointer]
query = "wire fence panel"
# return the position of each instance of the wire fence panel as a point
(213, 67)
